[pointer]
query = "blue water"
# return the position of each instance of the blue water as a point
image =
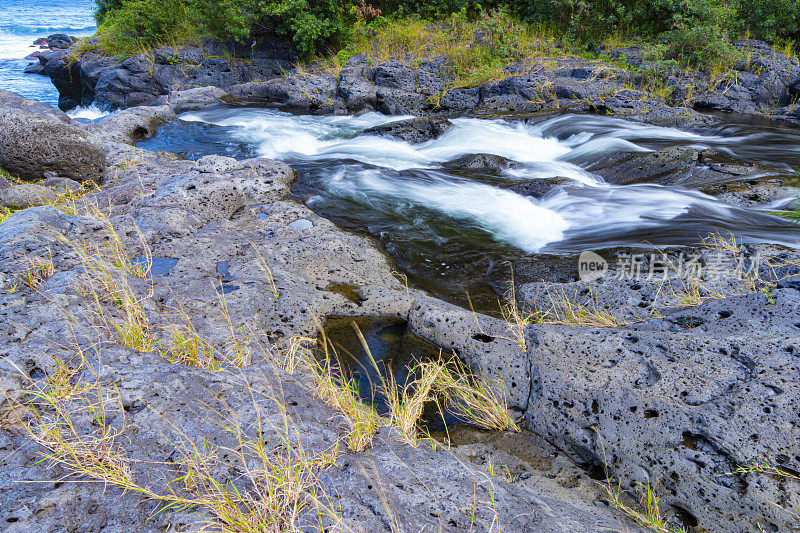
(24, 21)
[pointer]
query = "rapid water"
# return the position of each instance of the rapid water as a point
(24, 21)
(447, 228)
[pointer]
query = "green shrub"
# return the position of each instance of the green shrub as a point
(311, 26)
(142, 24)
(586, 20)
(104, 7)
(700, 36)
(693, 32)
(771, 20)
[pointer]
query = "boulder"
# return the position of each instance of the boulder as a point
(665, 166)
(15, 101)
(27, 195)
(535, 188)
(35, 68)
(414, 130)
(37, 140)
(132, 124)
(60, 41)
(193, 99)
(479, 162)
(401, 102)
(307, 92)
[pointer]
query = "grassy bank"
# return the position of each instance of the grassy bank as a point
(694, 34)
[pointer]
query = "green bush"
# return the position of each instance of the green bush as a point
(104, 7)
(142, 24)
(695, 32)
(588, 19)
(771, 20)
(700, 37)
(310, 26)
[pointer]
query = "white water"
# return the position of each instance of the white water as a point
(403, 180)
(24, 21)
(91, 113)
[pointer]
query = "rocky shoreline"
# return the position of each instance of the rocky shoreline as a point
(685, 393)
(765, 84)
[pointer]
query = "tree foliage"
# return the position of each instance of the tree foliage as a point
(691, 29)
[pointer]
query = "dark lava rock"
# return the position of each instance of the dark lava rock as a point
(37, 140)
(479, 162)
(60, 41)
(414, 130)
(143, 79)
(665, 166)
(765, 79)
(709, 171)
(535, 188)
(35, 68)
(308, 92)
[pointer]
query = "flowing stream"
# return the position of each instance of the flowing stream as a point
(448, 228)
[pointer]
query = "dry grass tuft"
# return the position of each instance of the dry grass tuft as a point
(477, 399)
(187, 347)
(341, 394)
(277, 485)
(516, 318)
(39, 269)
(564, 311)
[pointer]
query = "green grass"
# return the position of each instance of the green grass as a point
(479, 49)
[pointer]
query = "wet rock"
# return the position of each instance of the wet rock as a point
(415, 130)
(70, 78)
(35, 68)
(738, 183)
(536, 188)
(670, 165)
(479, 162)
(34, 143)
(27, 195)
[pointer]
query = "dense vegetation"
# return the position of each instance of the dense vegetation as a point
(695, 32)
